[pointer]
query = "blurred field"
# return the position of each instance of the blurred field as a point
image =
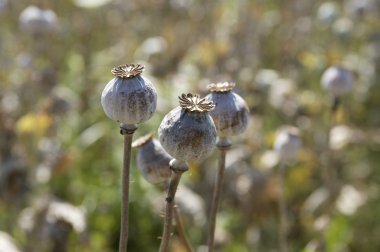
(60, 156)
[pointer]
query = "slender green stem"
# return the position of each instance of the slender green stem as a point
(181, 230)
(177, 169)
(127, 131)
(283, 228)
(216, 197)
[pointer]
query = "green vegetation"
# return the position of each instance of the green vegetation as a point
(61, 157)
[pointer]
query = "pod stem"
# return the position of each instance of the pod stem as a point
(127, 131)
(179, 226)
(181, 230)
(223, 145)
(178, 168)
(283, 227)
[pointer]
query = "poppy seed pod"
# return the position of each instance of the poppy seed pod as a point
(3, 5)
(152, 159)
(36, 20)
(129, 98)
(7, 243)
(287, 143)
(337, 80)
(188, 131)
(231, 112)
(328, 12)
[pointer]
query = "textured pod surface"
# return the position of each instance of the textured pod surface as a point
(287, 143)
(129, 100)
(187, 135)
(153, 162)
(231, 113)
(337, 80)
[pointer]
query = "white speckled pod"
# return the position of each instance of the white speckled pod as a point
(337, 80)
(152, 160)
(188, 132)
(37, 21)
(129, 98)
(231, 112)
(287, 143)
(8, 243)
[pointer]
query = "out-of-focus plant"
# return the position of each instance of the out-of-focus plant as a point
(337, 81)
(287, 145)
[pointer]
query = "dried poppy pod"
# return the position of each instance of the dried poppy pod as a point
(8, 243)
(337, 80)
(188, 131)
(152, 159)
(231, 112)
(287, 142)
(129, 98)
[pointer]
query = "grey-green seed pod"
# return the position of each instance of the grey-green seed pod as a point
(337, 80)
(231, 112)
(35, 20)
(188, 132)
(152, 160)
(287, 143)
(129, 98)
(8, 243)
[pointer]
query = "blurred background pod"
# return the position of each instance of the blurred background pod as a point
(49, 224)
(328, 12)
(7, 243)
(14, 182)
(37, 21)
(287, 142)
(152, 159)
(3, 5)
(337, 80)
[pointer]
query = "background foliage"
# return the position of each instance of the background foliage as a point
(57, 145)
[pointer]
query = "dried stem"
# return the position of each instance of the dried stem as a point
(216, 196)
(177, 170)
(179, 226)
(181, 230)
(127, 131)
(283, 228)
